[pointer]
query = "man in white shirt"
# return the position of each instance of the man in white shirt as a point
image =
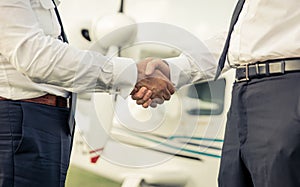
(262, 138)
(37, 73)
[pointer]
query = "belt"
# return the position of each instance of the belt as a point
(265, 69)
(47, 99)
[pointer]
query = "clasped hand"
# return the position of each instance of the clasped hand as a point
(153, 85)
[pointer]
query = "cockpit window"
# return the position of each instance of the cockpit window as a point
(211, 95)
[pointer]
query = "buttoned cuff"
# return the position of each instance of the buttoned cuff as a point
(124, 76)
(180, 70)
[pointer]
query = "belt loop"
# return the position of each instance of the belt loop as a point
(247, 72)
(257, 69)
(283, 67)
(267, 69)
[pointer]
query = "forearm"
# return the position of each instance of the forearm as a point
(192, 66)
(47, 60)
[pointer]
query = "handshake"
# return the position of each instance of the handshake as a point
(153, 86)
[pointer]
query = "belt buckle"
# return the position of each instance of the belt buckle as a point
(246, 66)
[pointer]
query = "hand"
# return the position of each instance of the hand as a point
(153, 86)
(158, 65)
(161, 88)
(143, 96)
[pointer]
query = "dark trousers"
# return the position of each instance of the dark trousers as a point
(34, 145)
(262, 138)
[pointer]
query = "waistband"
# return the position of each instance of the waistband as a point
(267, 68)
(48, 99)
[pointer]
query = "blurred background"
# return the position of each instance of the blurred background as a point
(120, 144)
(78, 177)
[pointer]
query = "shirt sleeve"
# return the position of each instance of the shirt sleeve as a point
(188, 68)
(124, 76)
(46, 60)
(180, 70)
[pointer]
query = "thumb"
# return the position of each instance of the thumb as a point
(151, 67)
(159, 65)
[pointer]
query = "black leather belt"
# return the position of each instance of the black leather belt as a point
(264, 69)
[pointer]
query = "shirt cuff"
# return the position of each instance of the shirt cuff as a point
(124, 76)
(180, 70)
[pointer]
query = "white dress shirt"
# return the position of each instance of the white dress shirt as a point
(33, 62)
(265, 30)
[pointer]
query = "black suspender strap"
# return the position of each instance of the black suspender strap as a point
(233, 21)
(73, 95)
(62, 31)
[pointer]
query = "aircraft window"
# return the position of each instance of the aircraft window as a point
(211, 94)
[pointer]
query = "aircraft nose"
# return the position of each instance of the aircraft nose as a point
(114, 30)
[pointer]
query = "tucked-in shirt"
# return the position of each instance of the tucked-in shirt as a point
(34, 62)
(265, 30)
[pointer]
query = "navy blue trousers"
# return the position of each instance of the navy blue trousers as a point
(34, 145)
(262, 139)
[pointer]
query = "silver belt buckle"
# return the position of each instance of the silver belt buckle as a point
(246, 66)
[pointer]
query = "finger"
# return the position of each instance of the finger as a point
(162, 95)
(134, 91)
(166, 95)
(148, 95)
(147, 103)
(140, 102)
(158, 100)
(153, 105)
(171, 88)
(140, 94)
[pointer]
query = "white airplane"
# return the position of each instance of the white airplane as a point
(177, 144)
